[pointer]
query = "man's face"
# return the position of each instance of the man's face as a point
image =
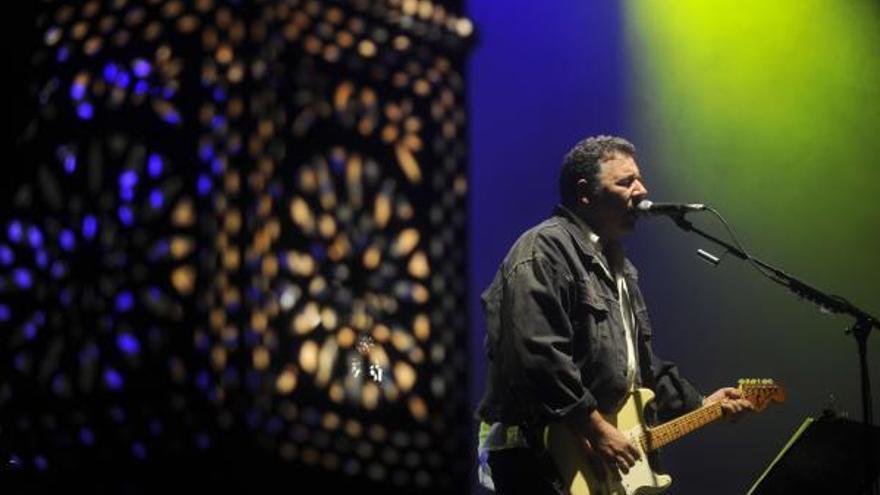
(621, 187)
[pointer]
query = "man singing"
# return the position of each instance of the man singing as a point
(568, 331)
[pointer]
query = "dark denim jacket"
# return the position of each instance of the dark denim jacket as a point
(555, 336)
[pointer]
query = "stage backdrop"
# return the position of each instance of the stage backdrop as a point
(233, 247)
(766, 111)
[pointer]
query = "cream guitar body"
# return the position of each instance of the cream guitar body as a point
(579, 473)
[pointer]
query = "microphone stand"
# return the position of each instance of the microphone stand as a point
(827, 303)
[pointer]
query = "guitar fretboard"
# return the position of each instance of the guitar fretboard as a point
(656, 437)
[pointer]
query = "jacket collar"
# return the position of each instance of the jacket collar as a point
(589, 241)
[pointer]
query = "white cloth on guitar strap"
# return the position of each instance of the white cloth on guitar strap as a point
(629, 325)
(626, 313)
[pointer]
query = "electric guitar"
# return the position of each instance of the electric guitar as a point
(578, 473)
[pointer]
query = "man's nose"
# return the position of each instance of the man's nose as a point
(641, 191)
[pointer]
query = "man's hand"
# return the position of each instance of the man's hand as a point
(609, 444)
(733, 406)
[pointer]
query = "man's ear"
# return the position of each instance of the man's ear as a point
(582, 189)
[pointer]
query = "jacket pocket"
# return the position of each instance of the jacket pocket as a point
(592, 331)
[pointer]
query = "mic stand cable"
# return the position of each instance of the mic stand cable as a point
(828, 303)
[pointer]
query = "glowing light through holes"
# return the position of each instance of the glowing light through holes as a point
(90, 273)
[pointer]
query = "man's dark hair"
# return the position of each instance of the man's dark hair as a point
(583, 162)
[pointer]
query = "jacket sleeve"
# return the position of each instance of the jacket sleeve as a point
(675, 395)
(536, 341)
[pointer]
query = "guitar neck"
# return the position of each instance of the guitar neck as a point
(668, 432)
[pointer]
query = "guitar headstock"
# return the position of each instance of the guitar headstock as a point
(761, 391)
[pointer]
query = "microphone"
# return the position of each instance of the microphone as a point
(646, 207)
